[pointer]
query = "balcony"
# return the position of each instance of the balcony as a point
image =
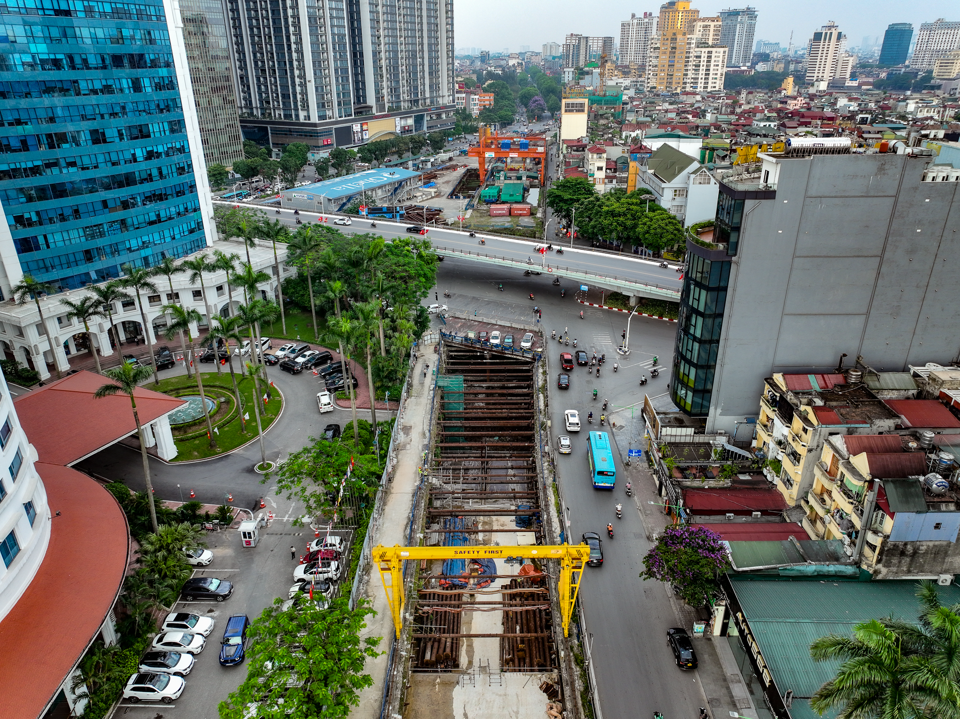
(823, 476)
(792, 459)
(849, 503)
(795, 439)
(766, 402)
(820, 503)
(814, 529)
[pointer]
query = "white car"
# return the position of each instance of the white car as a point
(186, 622)
(179, 642)
(324, 569)
(495, 338)
(527, 341)
(564, 445)
(571, 418)
(342, 221)
(331, 542)
(153, 688)
(265, 344)
(198, 557)
(436, 309)
(321, 588)
(166, 663)
(244, 349)
(284, 349)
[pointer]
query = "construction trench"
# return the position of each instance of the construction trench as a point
(485, 636)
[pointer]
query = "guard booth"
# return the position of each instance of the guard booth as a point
(250, 531)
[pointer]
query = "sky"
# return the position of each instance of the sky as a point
(508, 24)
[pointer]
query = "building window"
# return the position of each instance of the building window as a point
(153, 300)
(3, 491)
(31, 512)
(221, 291)
(9, 549)
(5, 431)
(16, 464)
(175, 297)
(198, 295)
(128, 305)
(938, 525)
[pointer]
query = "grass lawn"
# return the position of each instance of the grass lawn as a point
(230, 435)
(299, 326)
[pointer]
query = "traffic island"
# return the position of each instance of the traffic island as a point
(227, 419)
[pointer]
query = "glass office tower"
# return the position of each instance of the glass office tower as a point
(96, 163)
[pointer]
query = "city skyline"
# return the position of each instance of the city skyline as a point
(478, 24)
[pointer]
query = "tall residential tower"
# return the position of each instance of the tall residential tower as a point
(737, 33)
(935, 40)
(896, 43)
(635, 35)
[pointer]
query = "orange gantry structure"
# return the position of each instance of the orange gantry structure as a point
(491, 147)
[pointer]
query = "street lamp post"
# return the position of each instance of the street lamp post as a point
(573, 227)
(181, 493)
(625, 348)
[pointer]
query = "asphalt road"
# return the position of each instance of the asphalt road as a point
(627, 618)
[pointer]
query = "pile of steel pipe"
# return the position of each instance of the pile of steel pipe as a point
(438, 652)
(526, 644)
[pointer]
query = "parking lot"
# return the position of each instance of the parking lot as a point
(259, 575)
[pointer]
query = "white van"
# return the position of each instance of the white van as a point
(324, 402)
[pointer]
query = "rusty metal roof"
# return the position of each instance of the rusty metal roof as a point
(923, 413)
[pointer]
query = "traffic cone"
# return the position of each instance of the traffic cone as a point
(316, 533)
(192, 494)
(229, 497)
(262, 503)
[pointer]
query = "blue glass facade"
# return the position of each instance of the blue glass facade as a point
(95, 167)
(896, 43)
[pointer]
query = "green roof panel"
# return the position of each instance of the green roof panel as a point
(667, 163)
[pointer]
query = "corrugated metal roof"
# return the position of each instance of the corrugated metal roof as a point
(923, 413)
(746, 555)
(896, 466)
(857, 443)
(786, 617)
(827, 416)
(890, 380)
(733, 500)
(905, 495)
(807, 382)
(667, 163)
(757, 531)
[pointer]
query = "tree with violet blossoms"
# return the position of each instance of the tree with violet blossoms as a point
(691, 559)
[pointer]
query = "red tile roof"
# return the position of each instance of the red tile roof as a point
(827, 416)
(53, 623)
(97, 423)
(758, 531)
(876, 443)
(896, 466)
(807, 382)
(597, 149)
(923, 413)
(737, 501)
(574, 172)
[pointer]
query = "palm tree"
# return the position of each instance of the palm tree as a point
(248, 278)
(82, 311)
(196, 266)
(878, 678)
(125, 378)
(276, 231)
(301, 250)
(140, 279)
(161, 553)
(253, 315)
(938, 634)
(203, 399)
(168, 268)
(226, 329)
(245, 232)
(342, 330)
(30, 289)
(180, 320)
(252, 371)
(366, 326)
(227, 264)
(107, 294)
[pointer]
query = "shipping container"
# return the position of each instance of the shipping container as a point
(499, 210)
(520, 210)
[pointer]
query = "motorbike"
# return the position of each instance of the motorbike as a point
(598, 370)
(664, 264)
(473, 234)
(603, 358)
(559, 251)
(604, 404)
(556, 281)
(531, 295)
(483, 242)
(501, 288)
(373, 224)
(581, 314)
(594, 394)
(629, 489)
(615, 366)
(567, 342)
(563, 293)
(574, 341)
(553, 334)
(643, 380)
(619, 511)
(590, 417)
(278, 212)
(296, 212)
(610, 534)
(593, 361)
(446, 293)
(654, 372)
(603, 419)
(299, 221)
(654, 363)
(527, 273)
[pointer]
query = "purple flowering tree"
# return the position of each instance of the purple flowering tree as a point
(691, 559)
(536, 107)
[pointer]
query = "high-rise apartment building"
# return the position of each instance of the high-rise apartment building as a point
(635, 35)
(101, 140)
(934, 40)
(706, 68)
(551, 50)
(739, 26)
(707, 31)
(823, 54)
(668, 53)
(598, 47)
(575, 50)
(315, 73)
(208, 56)
(896, 43)
(814, 254)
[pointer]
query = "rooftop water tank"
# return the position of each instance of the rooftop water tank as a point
(854, 377)
(946, 461)
(926, 439)
(935, 484)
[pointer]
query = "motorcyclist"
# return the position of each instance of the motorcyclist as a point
(619, 508)
(609, 529)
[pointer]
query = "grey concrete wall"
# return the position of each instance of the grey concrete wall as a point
(855, 254)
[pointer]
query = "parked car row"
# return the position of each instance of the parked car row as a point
(506, 341)
(172, 655)
(321, 566)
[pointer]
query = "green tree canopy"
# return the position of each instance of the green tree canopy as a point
(217, 175)
(690, 558)
(304, 662)
(342, 159)
(247, 169)
(567, 193)
(526, 95)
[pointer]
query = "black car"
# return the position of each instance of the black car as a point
(209, 355)
(682, 648)
(582, 358)
(331, 432)
(563, 380)
(334, 368)
(318, 360)
(291, 366)
(417, 229)
(206, 588)
(592, 540)
(337, 384)
(164, 358)
(271, 359)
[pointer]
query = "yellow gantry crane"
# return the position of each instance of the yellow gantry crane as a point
(572, 557)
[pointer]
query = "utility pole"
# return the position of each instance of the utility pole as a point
(573, 219)
(625, 348)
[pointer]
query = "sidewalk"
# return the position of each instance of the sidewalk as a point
(412, 426)
(724, 686)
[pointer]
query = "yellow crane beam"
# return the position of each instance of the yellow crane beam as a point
(572, 557)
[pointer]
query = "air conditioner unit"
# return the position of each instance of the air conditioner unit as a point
(755, 515)
(945, 580)
(729, 516)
